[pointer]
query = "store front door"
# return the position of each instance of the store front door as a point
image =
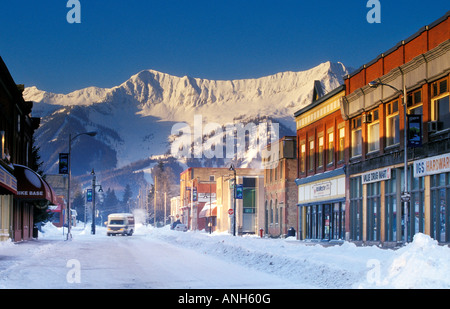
(327, 222)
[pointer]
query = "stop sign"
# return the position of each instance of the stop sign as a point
(230, 211)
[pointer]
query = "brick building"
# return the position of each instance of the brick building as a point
(21, 189)
(418, 66)
(197, 185)
(321, 173)
(280, 190)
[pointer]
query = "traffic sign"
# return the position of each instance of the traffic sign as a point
(230, 211)
(406, 197)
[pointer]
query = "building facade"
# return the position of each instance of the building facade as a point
(377, 120)
(21, 189)
(196, 185)
(248, 212)
(321, 171)
(280, 190)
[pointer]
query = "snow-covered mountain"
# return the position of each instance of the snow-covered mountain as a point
(134, 120)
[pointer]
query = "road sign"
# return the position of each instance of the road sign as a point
(230, 211)
(89, 195)
(64, 163)
(239, 192)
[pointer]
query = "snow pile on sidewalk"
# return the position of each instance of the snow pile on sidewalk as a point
(420, 264)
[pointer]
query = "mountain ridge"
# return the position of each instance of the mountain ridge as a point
(135, 119)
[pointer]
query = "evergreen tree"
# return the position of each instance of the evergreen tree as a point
(126, 197)
(78, 204)
(165, 184)
(35, 161)
(111, 203)
(40, 215)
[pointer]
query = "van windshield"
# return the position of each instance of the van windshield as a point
(116, 221)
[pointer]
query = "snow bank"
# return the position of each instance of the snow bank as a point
(422, 264)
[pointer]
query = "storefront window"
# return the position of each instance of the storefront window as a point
(320, 222)
(326, 221)
(356, 208)
(440, 201)
(373, 211)
(391, 207)
(416, 215)
(308, 222)
(338, 221)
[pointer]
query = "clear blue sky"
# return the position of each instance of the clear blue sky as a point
(213, 39)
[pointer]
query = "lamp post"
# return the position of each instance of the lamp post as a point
(93, 200)
(405, 195)
(234, 199)
(69, 212)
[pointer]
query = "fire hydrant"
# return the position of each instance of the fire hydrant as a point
(261, 231)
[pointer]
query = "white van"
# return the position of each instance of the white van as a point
(121, 223)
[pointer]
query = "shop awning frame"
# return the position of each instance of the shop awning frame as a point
(208, 211)
(32, 187)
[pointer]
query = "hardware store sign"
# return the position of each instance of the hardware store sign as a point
(432, 165)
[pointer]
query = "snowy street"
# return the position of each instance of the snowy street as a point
(120, 262)
(164, 259)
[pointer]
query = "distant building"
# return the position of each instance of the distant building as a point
(321, 172)
(59, 183)
(195, 191)
(280, 197)
(249, 210)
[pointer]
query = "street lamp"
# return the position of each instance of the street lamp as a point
(405, 196)
(93, 200)
(69, 212)
(234, 200)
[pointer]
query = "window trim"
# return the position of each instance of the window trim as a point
(320, 150)
(330, 150)
(356, 125)
(375, 114)
(434, 109)
(311, 155)
(390, 113)
(302, 158)
(341, 128)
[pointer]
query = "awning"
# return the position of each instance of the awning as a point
(31, 186)
(208, 211)
(7, 181)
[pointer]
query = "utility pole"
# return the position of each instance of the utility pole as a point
(154, 205)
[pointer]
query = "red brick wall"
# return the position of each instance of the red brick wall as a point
(322, 125)
(423, 42)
